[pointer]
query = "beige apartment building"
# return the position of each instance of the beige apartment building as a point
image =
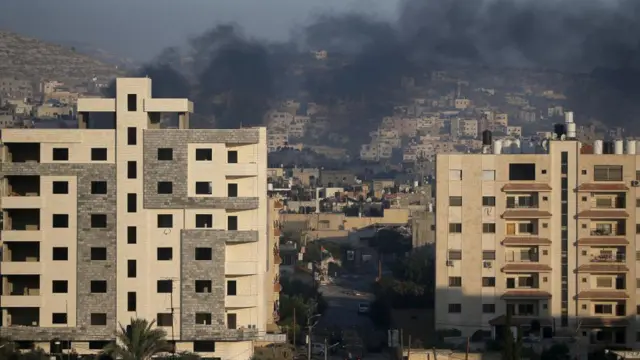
(170, 225)
(549, 235)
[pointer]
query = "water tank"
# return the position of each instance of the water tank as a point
(506, 146)
(597, 147)
(619, 147)
(568, 117)
(607, 147)
(631, 147)
(515, 146)
(486, 138)
(270, 187)
(559, 130)
(571, 130)
(497, 147)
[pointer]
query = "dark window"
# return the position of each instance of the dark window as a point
(165, 187)
(131, 269)
(489, 228)
(165, 286)
(203, 286)
(98, 319)
(204, 220)
(132, 234)
(132, 136)
(132, 203)
(203, 318)
(455, 281)
(522, 172)
(99, 154)
(98, 345)
(232, 190)
(60, 221)
(165, 220)
(98, 221)
(488, 282)
(204, 346)
(60, 187)
(132, 170)
(455, 254)
(232, 287)
(60, 254)
(204, 253)
(232, 321)
(165, 154)
(165, 253)
(455, 308)
(60, 154)
(131, 301)
(132, 102)
(98, 286)
(99, 253)
(164, 319)
(98, 187)
(203, 188)
(59, 318)
(204, 155)
(232, 223)
(488, 255)
(488, 201)
(489, 308)
(607, 173)
(455, 200)
(59, 286)
(455, 228)
(232, 157)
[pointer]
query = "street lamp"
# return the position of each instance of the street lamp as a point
(310, 331)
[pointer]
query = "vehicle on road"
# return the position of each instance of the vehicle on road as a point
(363, 308)
(317, 349)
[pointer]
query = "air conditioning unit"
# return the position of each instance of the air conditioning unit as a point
(449, 262)
(487, 264)
(635, 183)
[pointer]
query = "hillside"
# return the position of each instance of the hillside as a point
(26, 57)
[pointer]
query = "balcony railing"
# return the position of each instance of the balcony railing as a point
(604, 232)
(533, 205)
(608, 258)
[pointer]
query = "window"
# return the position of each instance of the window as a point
(607, 173)
(525, 228)
(604, 282)
(232, 223)
(204, 220)
(99, 154)
(232, 157)
(204, 154)
(637, 228)
(98, 221)
(98, 319)
(204, 346)
(98, 345)
(455, 228)
(488, 308)
(232, 190)
(638, 202)
(455, 200)
(59, 286)
(543, 171)
(165, 286)
(203, 188)
(522, 172)
(204, 253)
(232, 287)
(60, 154)
(455, 281)
(488, 281)
(455, 174)
(165, 154)
(98, 187)
(132, 301)
(637, 175)
(488, 201)
(488, 255)
(132, 170)
(132, 136)
(203, 286)
(132, 234)
(455, 308)
(455, 254)
(165, 187)
(132, 102)
(164, 319)
(59, 318)
(489, 228)
(60, 254)
(203, 318)
(98, 253)
(488, 175)
(132, 202)
(165, 221)
(98, 286)
(165, 254)
(60, 221)
(60, 187)
(232, 321)
(603, 309)
(131, 269)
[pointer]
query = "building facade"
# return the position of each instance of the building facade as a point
(548, 235)
(100, 226)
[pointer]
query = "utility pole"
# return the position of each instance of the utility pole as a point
(326, 350)
(295, 326)
(401, 342)
(409, 350)
(466, 355)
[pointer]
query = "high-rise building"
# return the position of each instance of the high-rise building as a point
(103, 225)
(545, 231)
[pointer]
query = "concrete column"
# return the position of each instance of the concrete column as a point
(183, 120)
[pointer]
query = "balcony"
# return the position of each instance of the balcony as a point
(602, 187)
(22, 219)
(603, 214)
(23, 316)
(608, 201)
(607, 257)
(241, 169)
(18, 301)
(26, 287)
(602, 295)
(21, 268)
(614, 227)
(241, 301)
(526, 187)
(529, 201)
(241, 268)
(526, 255)
(525, 267)
(525, 213)
(22, 152)
(22, 192)
(514, 294)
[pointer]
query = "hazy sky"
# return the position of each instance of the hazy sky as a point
(141, 28)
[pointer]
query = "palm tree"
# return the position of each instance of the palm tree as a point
(139, 341)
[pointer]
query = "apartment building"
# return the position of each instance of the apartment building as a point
(102, 225)
(549, 236)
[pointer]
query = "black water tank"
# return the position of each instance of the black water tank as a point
(559, 130)
(486, 137)
(608, 147)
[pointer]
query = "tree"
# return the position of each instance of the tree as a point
(139, 341)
